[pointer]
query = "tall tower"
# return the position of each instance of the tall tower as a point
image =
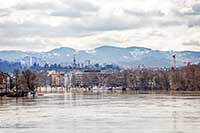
(174, 62)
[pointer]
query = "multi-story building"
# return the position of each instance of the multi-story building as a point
(57, 79)
(85, 79)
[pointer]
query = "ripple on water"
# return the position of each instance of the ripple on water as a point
(101, 113)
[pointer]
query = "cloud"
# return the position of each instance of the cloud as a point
(141, 13)
(88, 23)
(194, 22)
(74, 21)
(34, 6)
(64, 8)
(4, 12)
(156, 33)
(67, 12)
(74, 8)
(28, 44)
(192, 43)
(81, 5)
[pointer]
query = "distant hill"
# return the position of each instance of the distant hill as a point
(125, 57)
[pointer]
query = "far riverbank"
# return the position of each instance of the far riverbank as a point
(114, 90)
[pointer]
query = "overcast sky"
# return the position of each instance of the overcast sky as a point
(41, 25)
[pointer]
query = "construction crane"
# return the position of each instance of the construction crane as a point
(174, 62)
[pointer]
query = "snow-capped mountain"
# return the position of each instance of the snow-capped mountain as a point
(126, 57)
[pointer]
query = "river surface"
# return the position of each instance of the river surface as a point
(107, 113)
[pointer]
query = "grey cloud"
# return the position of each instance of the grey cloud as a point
(167, 23)
(26, 28)
(69, 12)
(144, 14)
(117, 23)
(192, 22)
(106, 24)
(81, 5)
(4, 12)
(69, 8)
(29, 29)
(192, 17)
(84, 27)
(83, 19)
(109, 40)
(192, 43)
(195, 11)
(74, 8)
(34, 6)
(35, 45)
(188, 18)
(156, 34)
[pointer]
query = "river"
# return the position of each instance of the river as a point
(107, 113)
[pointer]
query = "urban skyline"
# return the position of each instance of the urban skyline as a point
(100, 66)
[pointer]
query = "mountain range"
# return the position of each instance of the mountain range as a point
(124, 57)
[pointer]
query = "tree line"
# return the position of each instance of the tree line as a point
(185, 79)
(181, 79)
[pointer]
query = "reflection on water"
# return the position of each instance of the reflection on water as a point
(101, 113)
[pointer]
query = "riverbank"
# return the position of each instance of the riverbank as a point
(51, 90)
(115, 90)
